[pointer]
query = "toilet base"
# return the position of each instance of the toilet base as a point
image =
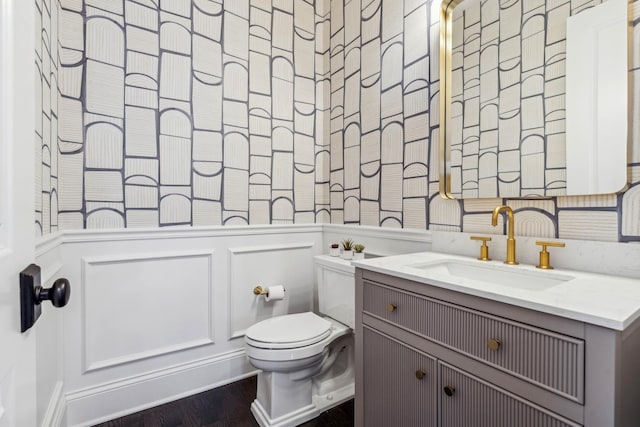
(320, 403)
(284, 399)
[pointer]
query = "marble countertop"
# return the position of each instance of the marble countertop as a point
(605, 300)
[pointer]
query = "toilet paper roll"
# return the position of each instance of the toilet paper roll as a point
(274, 293)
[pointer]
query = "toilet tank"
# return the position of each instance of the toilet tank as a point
(335, 278)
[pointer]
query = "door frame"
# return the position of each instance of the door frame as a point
(17, 238)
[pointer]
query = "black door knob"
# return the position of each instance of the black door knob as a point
(59, 293)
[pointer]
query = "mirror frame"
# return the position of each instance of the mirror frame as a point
(446, 37)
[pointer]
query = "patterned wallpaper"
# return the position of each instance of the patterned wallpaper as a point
(190, 112)
(384, 133)
(265, 111)
(384, 111)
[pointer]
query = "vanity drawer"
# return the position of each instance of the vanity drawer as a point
(465, 400)
(549, 360)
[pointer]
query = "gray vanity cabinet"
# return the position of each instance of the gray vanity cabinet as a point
(485, 363)
(401, 383)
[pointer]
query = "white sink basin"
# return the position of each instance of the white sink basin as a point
(512, 276)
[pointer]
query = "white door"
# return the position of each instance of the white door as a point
(17, 70)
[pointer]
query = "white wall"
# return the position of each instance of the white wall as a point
(159, 314)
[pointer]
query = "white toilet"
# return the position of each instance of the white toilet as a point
(306, 359)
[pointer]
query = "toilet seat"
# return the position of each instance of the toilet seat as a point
(289, 331)
(299, 346)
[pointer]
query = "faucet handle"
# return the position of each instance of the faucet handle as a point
(544, 255)
(484, 249)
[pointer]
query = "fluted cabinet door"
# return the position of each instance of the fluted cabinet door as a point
(400, 383)
(470, 402)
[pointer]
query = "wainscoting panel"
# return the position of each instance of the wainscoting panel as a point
(152, 310)
(159, 314)
(143, 305)
(289, 265)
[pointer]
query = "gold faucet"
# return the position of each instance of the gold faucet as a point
(511, 241)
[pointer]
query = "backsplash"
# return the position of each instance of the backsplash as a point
(284, 111)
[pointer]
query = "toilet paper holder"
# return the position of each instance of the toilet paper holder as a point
(259, 290)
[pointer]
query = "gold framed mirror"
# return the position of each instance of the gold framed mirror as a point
(534, 98)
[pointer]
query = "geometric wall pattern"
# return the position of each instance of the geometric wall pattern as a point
(202, 112)
(382, 111)
(190, 113)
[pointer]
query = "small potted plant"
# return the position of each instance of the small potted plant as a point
(358, 251)
(347, 249)
(335, 249)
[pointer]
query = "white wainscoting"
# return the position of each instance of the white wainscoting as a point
(156, 315)
(159, 314)
(56, 406)
(163, 300)
(270, 265)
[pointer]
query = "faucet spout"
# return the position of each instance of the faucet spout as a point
(511, 241)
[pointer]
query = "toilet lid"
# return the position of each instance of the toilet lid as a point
(289, 331)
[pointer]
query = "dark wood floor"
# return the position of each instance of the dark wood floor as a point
(226, 406)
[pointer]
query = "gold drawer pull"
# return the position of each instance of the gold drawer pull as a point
(449, 390)
(494, 344)
(391, 307)
(420, 374)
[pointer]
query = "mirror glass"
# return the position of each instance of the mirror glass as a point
(535, 98)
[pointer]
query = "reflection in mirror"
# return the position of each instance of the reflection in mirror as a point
(504, 99)
(597, 99)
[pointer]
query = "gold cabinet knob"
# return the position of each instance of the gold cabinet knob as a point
(391, 307)
(484, 249)
(544, 255)
(494, 344)
(449, 390)
(420, 374)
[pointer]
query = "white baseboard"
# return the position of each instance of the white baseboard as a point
(105, 402)
(55, 410)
